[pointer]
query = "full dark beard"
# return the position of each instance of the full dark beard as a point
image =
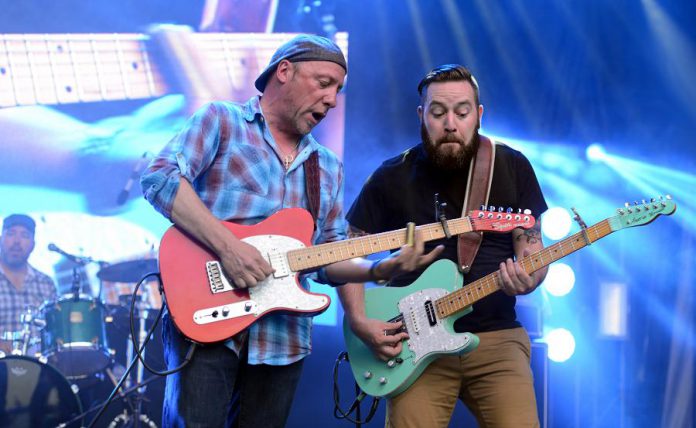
(450, 161)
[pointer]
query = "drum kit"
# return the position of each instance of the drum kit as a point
(44, 377)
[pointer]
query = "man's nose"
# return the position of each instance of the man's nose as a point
(330, 99)
(450, 123)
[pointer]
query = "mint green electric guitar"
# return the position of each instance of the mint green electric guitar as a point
(429, 306)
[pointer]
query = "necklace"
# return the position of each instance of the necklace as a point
(288, 157)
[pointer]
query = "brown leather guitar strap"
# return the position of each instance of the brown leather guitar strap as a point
(312, 184)
(478, 189)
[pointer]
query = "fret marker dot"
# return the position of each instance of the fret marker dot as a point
(134, 65)
(68, 89)
(3, 70)
(59, 48)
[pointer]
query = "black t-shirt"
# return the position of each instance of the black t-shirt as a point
(402, 189)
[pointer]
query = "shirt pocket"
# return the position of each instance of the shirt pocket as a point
(248, 170)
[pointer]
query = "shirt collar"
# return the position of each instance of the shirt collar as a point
(252, 108)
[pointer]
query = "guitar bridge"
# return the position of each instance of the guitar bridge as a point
(216, 278)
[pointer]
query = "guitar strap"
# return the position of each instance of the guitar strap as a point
(478, 189)
(312, 184)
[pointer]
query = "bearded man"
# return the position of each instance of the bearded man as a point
(495, 380)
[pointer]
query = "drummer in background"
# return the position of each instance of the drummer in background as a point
(21, 285)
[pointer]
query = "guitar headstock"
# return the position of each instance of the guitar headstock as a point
(499, 221)
(642, 213)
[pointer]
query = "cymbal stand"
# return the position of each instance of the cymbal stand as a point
(139, 395)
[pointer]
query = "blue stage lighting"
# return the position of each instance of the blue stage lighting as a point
(561, 344)
(556, 224)
(560, 279)
(595, 152)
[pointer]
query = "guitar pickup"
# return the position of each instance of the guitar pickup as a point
(216, 278)
(225, 312)
(430, 312)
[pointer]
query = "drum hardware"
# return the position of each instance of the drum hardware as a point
(144, 336)
(123, 395)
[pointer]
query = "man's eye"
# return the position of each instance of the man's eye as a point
(323, 84)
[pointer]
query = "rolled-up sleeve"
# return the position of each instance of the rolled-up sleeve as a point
(186, 155)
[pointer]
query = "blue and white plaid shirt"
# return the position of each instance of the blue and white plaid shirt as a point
(228, 154)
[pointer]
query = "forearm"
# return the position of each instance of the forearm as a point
(189, 213)
(529, 242)
(352, 296)
(353, 270)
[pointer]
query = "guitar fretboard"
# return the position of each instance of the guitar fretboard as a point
(68, 68)
(477, 290)
(324, 254)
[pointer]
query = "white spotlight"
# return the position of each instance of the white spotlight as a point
(556, 224)
(561, 344)
(560, 279)
(595, 152)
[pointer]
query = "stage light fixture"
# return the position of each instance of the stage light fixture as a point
(561, 344)
(595, 152)
(560, 279)
(556, 224)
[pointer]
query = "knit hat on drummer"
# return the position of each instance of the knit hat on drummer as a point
(305, 47)
(19, 220)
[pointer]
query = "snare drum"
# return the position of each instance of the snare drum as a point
(74, 339)
(34, 394)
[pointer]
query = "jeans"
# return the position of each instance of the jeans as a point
(220, 389)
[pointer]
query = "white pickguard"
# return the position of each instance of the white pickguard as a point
(278, 291)
(425, 339)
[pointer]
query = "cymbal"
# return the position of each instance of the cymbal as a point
(130, 271)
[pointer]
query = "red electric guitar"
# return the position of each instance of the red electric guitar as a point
(205, 305)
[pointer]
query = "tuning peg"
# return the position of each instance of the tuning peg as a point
(491, 209)
(508, 210)
(483, 207)
(500, 209)
(528, 212)
(669, 197)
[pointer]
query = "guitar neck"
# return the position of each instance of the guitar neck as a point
(324, 254)
(477, 290)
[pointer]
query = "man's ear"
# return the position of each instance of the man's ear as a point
(419, 110)
(284, 71)
(480, 111)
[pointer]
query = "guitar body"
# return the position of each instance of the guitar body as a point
(428, 337)
(206, 308)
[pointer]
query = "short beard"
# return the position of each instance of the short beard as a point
(453, 161)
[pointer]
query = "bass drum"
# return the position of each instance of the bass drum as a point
(34, 394)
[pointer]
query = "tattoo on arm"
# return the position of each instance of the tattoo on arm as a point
(532, 235)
